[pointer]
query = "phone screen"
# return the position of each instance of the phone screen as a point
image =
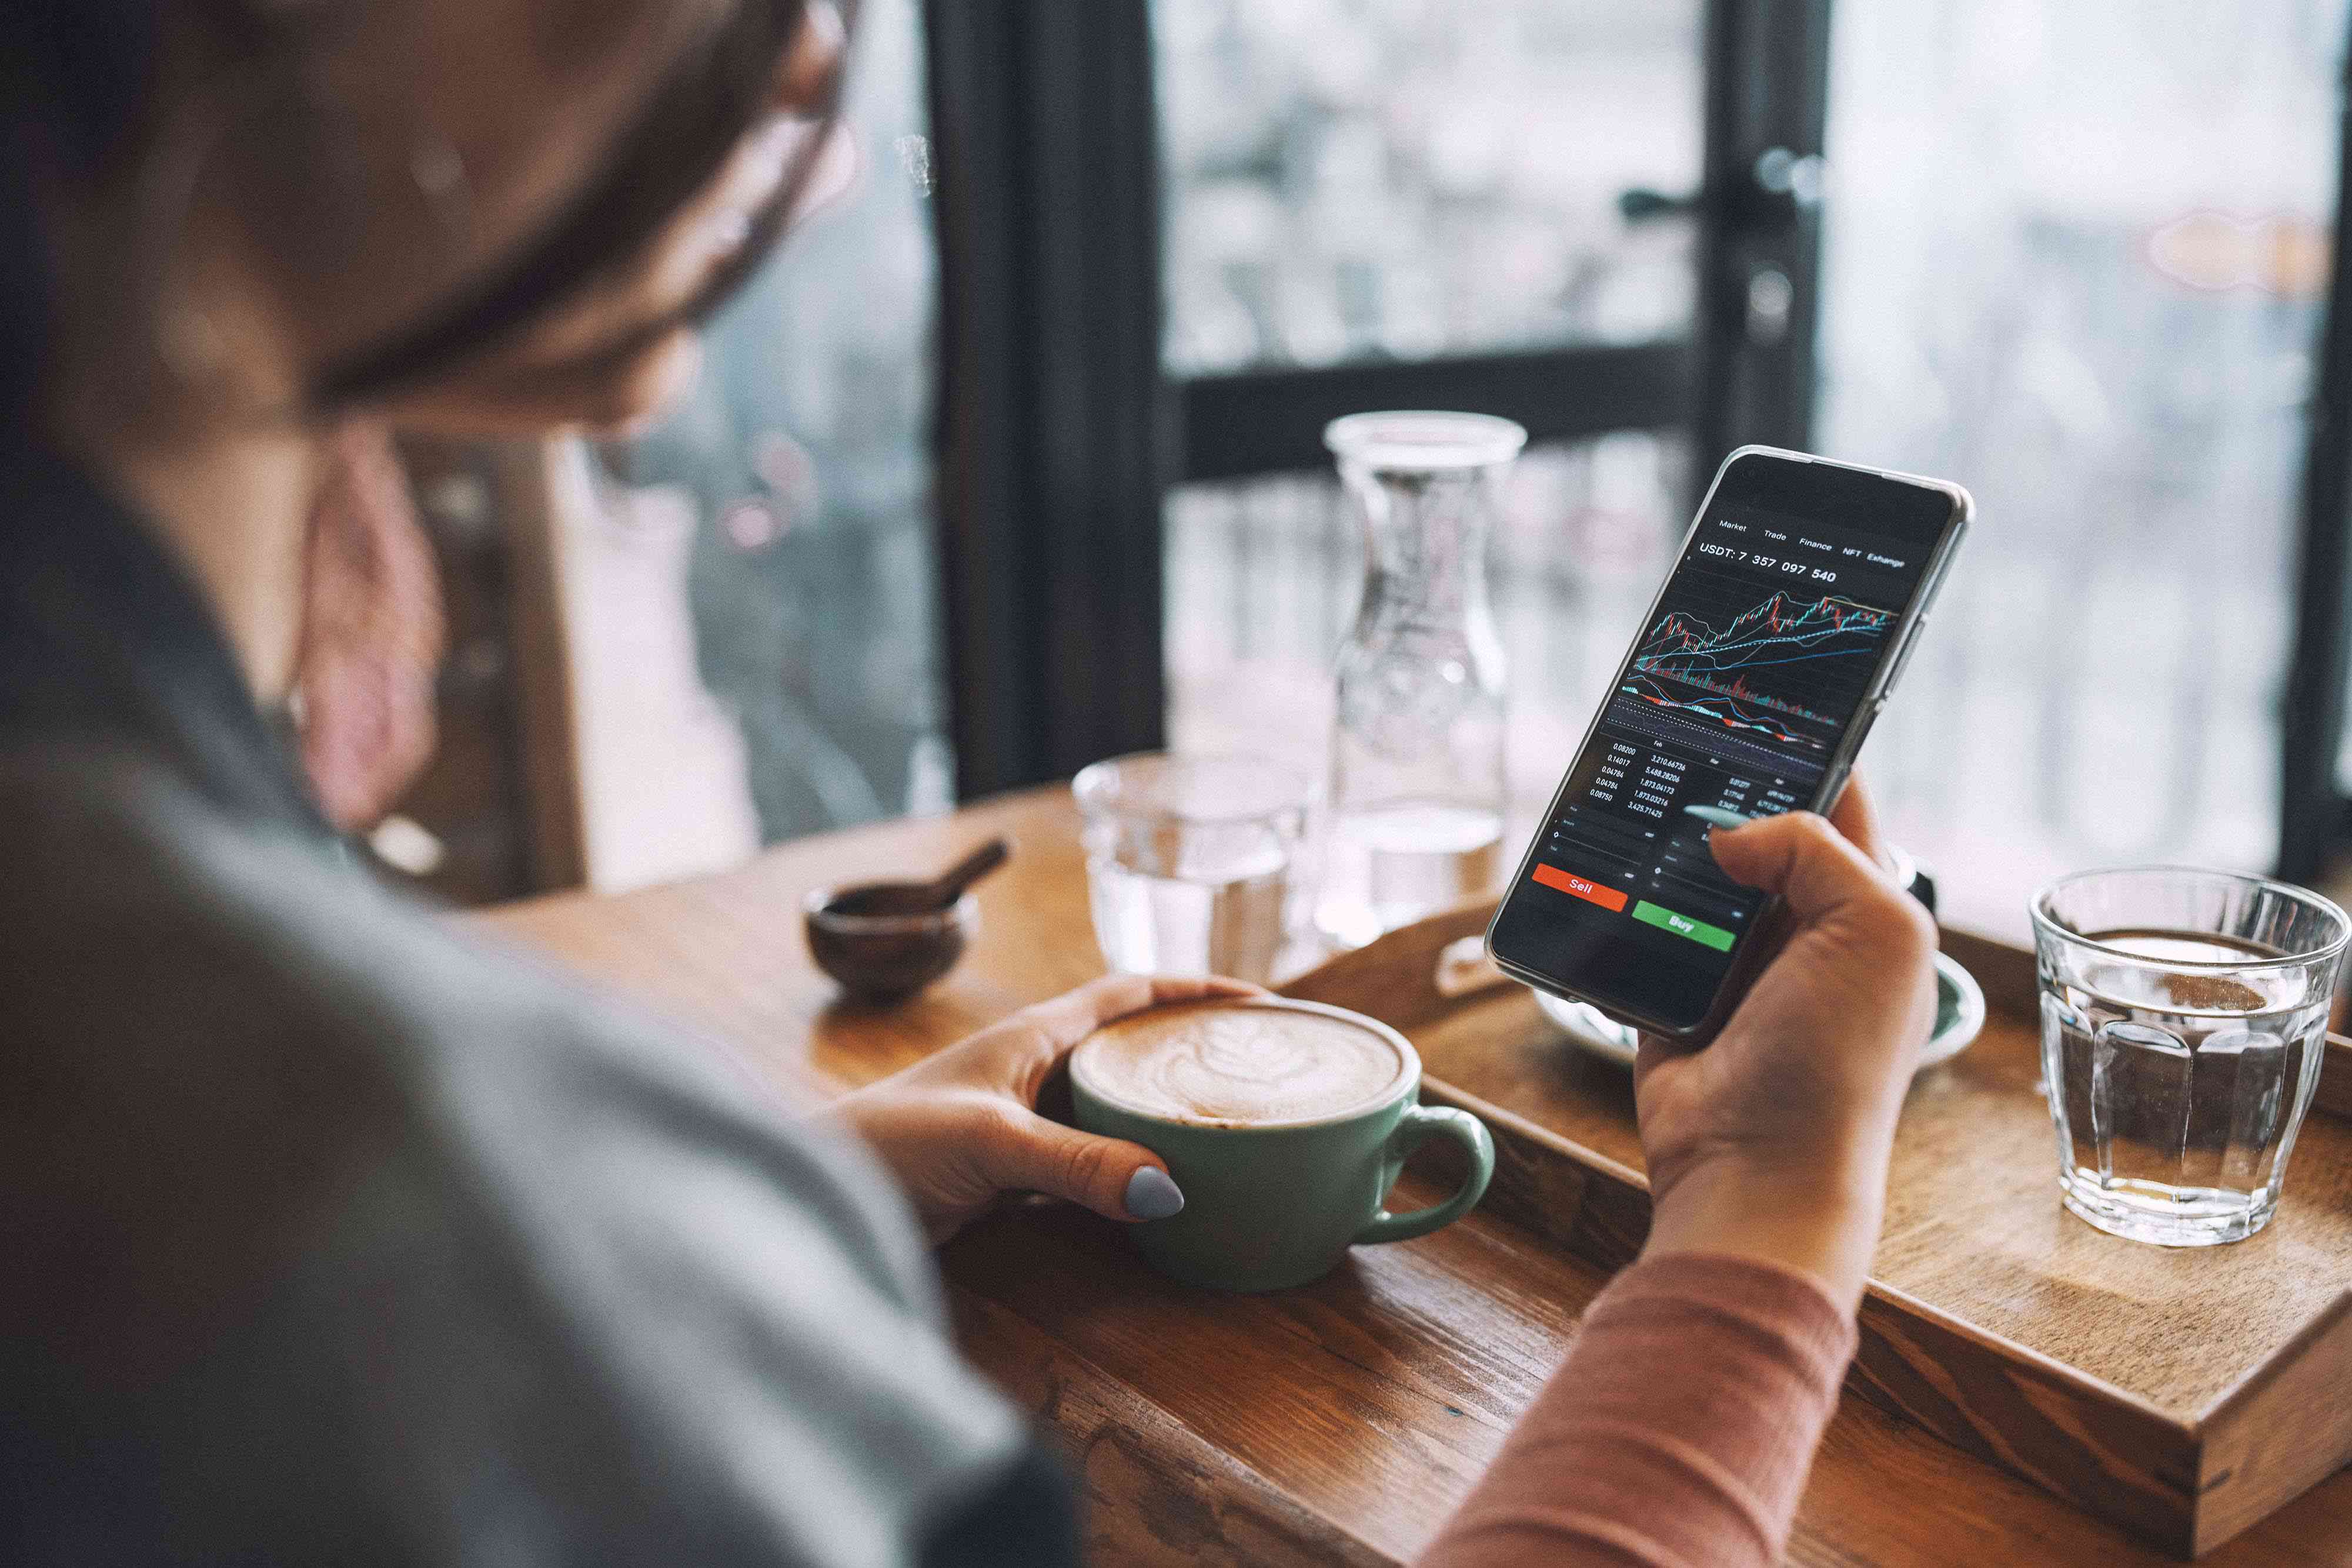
(1761, 654)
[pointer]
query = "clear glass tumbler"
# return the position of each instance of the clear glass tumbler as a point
(1189, 861)
(2184, 1017)
(1416, 789)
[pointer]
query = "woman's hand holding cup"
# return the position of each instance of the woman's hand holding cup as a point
(961, 1130)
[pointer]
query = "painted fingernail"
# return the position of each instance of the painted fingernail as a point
(1715, 816)
(1152, 1194)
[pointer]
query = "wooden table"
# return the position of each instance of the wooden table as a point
(1335, 1424)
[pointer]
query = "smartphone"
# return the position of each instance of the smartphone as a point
(1798, 595)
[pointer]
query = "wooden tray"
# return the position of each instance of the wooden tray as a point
(2179, 1395)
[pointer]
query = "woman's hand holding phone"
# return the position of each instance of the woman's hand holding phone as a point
(1772, 1141)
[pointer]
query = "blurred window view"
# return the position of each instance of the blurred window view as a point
(1349, 180)
(1352, 179)
(794, 488)
(2076, 257)
(1264, 575)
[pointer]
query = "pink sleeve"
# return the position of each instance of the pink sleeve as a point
(1677, 1432)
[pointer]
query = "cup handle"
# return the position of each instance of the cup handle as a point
(1420, 1123)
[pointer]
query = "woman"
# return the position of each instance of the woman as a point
(334, 1235)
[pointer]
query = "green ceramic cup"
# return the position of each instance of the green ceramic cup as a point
(1274, 1204)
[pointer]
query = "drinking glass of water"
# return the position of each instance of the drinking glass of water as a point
(2184, 1018)
(1188, 861)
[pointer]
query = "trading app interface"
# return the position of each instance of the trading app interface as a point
(1757, 659)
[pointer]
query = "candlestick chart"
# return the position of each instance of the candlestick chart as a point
(1786, 668)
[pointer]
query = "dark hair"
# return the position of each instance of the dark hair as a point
(78, 76)
(75, 79)
(693, 121)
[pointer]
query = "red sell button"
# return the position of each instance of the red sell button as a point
(1577, 887)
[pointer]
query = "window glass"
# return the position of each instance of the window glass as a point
(1352, 179)
(802, 463)
(2074, 257)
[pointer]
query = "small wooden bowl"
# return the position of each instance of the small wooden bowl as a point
(884, 957)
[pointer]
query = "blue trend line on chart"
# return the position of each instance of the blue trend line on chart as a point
(1724, 709)
(1685, 650)
(1773, 632)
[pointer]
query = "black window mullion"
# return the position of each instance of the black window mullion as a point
(1766, 90)
(1051, 457)
(2314, 826)
(1266, 422)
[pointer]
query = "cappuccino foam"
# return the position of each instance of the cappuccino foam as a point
(1238, 1063)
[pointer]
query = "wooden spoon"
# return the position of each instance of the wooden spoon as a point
(924, 897)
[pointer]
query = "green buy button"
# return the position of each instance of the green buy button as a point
(1714, 937)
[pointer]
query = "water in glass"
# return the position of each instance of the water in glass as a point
(1199, 918)
(1387, 865)
(2176, 1093)
(2183, 1021)
(1188, 861)
(1415, 792)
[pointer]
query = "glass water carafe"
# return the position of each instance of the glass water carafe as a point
(1413, 815)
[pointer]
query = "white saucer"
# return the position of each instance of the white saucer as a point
(1959, 1019)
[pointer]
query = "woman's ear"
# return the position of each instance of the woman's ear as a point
(371, 632)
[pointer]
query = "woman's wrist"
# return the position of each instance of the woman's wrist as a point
(1817, 1216)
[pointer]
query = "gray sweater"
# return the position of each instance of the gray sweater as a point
(332, 1234)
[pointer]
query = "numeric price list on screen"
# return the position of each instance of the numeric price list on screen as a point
(1622, 831)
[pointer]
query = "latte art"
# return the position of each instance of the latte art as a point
(1229, 1063)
